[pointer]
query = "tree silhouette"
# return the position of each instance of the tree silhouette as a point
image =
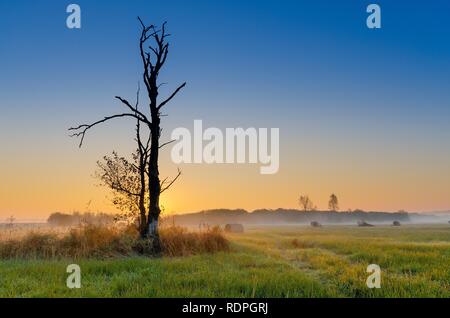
(154, 49)
(333, 203)
(10, 221)
(305, 202)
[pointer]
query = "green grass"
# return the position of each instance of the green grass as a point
(290, 261)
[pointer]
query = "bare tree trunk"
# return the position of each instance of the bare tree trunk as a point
(143, 229)
(154, 186)
(152, 67)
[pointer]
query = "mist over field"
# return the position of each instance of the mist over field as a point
(260, 216)
(293, 216)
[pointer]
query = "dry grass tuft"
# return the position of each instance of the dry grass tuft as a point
(178, 241)
(109, 241)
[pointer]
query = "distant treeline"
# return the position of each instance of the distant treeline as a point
(76, 218)
(285, 216)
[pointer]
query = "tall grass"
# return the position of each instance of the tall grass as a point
(178, 241)
(264, 262)
(109, 241)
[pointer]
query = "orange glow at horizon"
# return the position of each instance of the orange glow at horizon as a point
(65, 186)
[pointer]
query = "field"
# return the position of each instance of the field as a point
(284, 261)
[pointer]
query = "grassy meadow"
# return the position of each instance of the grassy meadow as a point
(282, 261)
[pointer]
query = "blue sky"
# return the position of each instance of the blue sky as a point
(312, 68)
(293, 49)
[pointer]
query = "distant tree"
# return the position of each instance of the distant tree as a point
(59, 219)
(305, 203)
(333, 203)
(10, 221)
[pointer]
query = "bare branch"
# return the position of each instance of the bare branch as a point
(166, 143)
(134, 109)
(172, 96)
(142, 23)
(153, 50)
(171, 182)
(144, 28)
(166, 51)
(85, 127)
(163, 181)
(137, 95)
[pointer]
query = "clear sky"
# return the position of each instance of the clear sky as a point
(362, 113)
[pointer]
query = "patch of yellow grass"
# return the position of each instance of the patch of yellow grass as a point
(106, 241)
(178, 241)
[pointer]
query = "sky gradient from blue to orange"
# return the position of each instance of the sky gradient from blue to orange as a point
(362, 113)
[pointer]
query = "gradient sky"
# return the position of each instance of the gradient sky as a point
(362, 113)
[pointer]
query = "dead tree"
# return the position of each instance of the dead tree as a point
(153, 48)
